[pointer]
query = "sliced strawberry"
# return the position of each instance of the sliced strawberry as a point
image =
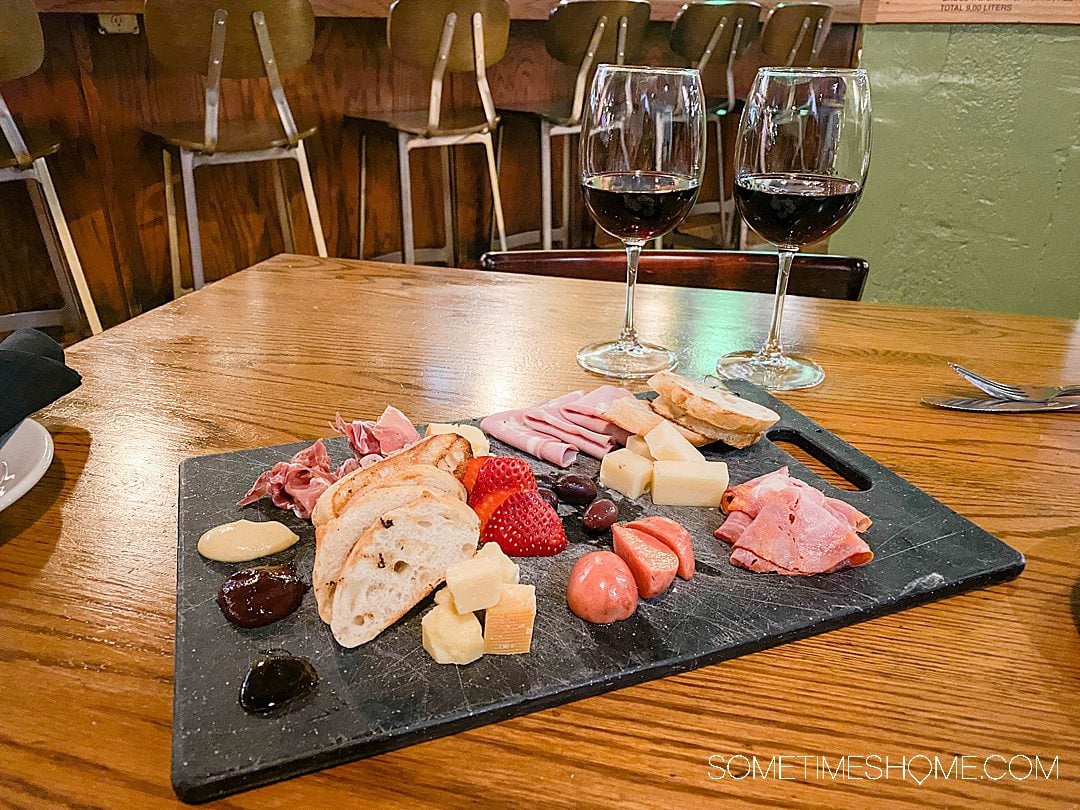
(652, 563)
(672, 535)
(525, 526)
(472, 470)
(502, 472)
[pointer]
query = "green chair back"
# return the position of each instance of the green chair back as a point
(415, 29)
(571, 25)
(22, 46)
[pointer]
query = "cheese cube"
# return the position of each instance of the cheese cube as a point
(626, 472)
(508, 625)
(689, 483)
(667, 444)
(637, 444)
(451, 637)
(444, 597)
(477, 583)
(480, 444)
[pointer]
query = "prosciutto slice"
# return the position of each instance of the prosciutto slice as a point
(782, 525)
(296, 484)
(558, 429)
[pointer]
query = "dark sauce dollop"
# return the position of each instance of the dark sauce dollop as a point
(276, 680)
(256, 597)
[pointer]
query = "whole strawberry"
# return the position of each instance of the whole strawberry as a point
(502, 473)
(525, 526)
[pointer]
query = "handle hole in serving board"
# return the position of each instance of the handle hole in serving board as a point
(833, 470)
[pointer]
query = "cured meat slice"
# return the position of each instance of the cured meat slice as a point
(547, 418)
(587, 410)
(732, 528)
(752, 495)
(296, 484)
(509, 427)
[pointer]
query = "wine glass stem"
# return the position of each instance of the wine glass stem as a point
(774, 346)
(633, 254)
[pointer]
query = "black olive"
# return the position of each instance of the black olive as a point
(601, 515)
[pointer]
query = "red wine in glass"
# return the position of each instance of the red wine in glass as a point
(639, 205)
(795, 209)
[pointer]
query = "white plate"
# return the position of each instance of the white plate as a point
(26, 451)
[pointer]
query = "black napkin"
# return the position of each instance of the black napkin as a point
(32, 375)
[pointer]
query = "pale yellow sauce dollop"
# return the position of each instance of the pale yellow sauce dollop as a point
(245, 540)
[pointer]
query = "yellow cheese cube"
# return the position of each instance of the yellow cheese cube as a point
(637, 444)
(667, 444)
(444, 597)
(479, 441)
(626, 472)
(689, 483)
(451, 637)
(477, 583)
(508, 625)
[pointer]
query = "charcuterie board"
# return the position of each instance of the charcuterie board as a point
(389, 693)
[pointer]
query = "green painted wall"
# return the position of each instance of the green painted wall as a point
(973, 198)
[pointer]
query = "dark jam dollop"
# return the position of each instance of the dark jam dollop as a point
(256, 597)
(276, 680)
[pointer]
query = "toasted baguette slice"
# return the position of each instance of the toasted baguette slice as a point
(714, 406)
(636, 416)
(334, 540)
(424, 475)
(448, 452)
(677, 415)
(399, 560)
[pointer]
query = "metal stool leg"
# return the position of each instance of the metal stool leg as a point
(449, 206)
(545, 185)
(363, 193)
(408, 238)
(71, 258)
(727, 204)
(496, 195)
(191, 211)
(70, 313)
(309, 195)
(498, 166)
(564, 226)
(174, 232)
(284, 211)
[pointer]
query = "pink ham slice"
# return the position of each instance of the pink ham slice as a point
(548, 418)
(509, 428)
(779, 524)
(588, 410)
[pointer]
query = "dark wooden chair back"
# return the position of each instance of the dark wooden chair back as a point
(571, 26)
(415, 31)
(815, 276)
(795, 32)
(708, 29)
(179, 33)
(22, 46)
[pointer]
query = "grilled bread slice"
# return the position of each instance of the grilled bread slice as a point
(335, 539)
(447, 451)
(397, 562)
(681, 418)
(635, 416)
(714, 406)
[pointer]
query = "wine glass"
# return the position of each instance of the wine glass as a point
(642, 159)
(801, 157)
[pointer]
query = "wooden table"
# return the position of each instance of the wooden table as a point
(87, 559)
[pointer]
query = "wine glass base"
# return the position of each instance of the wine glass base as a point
(781, 373)
(625, 360)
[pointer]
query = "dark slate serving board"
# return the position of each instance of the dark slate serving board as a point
(389, 693)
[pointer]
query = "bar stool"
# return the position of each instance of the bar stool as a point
(237, 39)
(796, 32)
(441, 36)
(22, 157)
(584, 34)
(717, 30)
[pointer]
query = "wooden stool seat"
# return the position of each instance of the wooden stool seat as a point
(234, 136)
(415, 122)
(40, 142)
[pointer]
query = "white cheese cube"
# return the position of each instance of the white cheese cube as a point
(479, 441)
(511, 572)
(637, 444)
(689, 483)
(626, 472)
(477, 583)
(451, 637)
(667, 444)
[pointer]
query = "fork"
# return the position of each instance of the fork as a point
(1033, 393)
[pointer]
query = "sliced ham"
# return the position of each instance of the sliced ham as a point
(782, 525)
(556, 430)
(394, 431)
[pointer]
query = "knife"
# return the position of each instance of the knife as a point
(976, 405)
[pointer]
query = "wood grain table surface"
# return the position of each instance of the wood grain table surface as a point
(87, 558)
